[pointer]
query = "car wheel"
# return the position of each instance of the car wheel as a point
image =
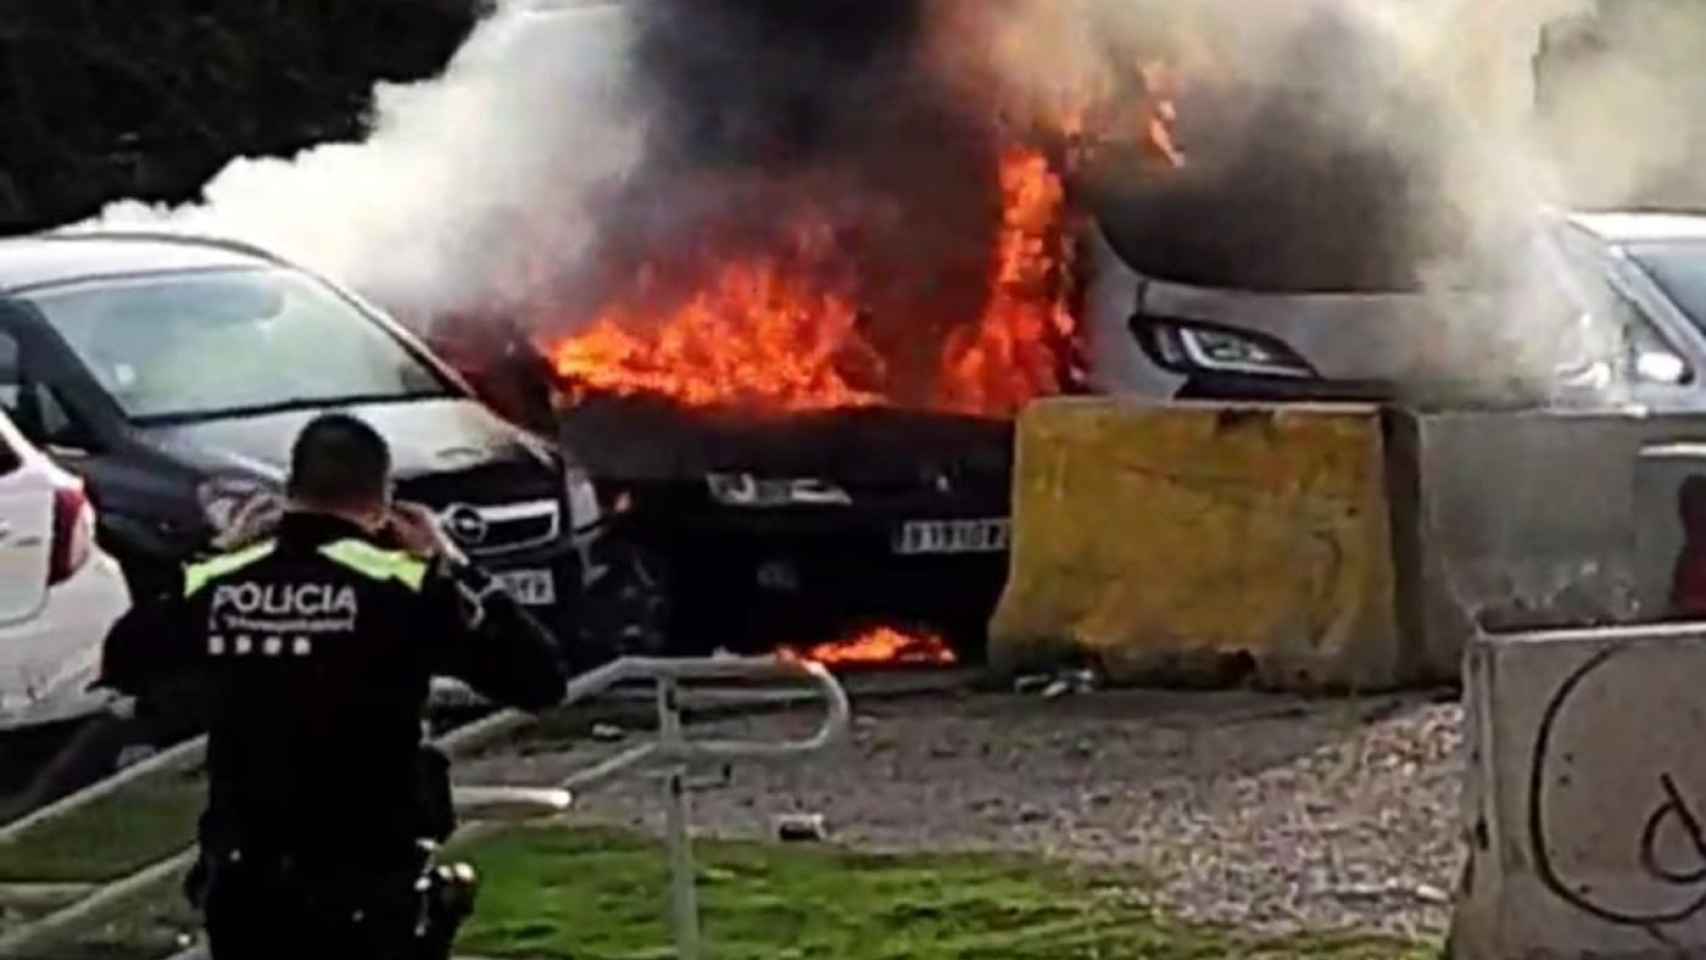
(630, 609)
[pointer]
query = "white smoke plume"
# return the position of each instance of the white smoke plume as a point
(433, 211)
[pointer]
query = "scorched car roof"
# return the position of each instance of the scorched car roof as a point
(46, 259)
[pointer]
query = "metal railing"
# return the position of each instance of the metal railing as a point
(670, 754)
(674, 755)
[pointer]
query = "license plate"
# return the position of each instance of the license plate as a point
(953, 536)
(534, 588)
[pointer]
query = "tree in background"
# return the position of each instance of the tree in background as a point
(107, 99)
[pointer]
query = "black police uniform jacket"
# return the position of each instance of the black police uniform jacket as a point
(309, 659)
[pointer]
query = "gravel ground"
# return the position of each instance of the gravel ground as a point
(1274, 814)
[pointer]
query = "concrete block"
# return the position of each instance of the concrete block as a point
(1659, 534)
(1586, 795)
(1202, 544)
(1533, 519)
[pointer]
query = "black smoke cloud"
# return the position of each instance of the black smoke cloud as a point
(768, 119)
(774, 83)
(1323, 166)
(1324, 171)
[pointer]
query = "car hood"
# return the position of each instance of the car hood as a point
(1344, 336)
(1445, 340)
(871, 452)
(426, 437)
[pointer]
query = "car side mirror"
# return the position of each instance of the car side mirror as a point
(1660, 366)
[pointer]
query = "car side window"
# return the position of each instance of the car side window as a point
(34, 407)
(11, 373)
(1647, 353)
(10, 461)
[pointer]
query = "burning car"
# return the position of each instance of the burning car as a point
(791, 352)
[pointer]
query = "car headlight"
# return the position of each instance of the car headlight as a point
(746, 490)
(584, 509)
(1188, 347)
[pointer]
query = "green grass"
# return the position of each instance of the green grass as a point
(143, 823)
(600, 895)
(560, 892)
(146, 928)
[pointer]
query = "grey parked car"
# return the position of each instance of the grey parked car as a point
(1597, 309)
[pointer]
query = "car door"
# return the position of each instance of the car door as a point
(26, 506)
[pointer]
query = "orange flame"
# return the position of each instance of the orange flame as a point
(756, 336)
(771, 333)
(1098, 112)
(763, 332)
(878, 647)
(1012, 355)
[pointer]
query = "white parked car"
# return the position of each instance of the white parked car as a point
(59, 593)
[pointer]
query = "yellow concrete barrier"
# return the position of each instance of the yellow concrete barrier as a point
(1202, 544)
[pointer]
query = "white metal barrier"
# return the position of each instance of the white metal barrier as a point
(674, 755)
(670, 754)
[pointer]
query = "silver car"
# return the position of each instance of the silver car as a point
(1601, 309)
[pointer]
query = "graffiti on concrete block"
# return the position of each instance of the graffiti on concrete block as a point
(1617, 788)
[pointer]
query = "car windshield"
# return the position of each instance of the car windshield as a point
(206, 345)
(1680, 271)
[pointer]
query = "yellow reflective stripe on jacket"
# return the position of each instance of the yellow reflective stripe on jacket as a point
(196, 575)
(369, 560)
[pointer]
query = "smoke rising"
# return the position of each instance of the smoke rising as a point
(1620, 94)
(610, 151)
(459, 173)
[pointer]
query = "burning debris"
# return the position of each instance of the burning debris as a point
(882, 646)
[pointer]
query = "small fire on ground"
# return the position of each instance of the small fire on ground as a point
(882, 646)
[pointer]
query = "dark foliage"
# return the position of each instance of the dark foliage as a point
(104, 99)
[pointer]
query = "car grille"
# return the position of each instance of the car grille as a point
(486, 485)
(487, 531)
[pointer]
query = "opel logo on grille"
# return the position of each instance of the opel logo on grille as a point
(459, 455)
(466, 524)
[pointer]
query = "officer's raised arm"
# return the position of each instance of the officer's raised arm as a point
(481, 635)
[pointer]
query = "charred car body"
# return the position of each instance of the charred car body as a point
(749, 533)
(173, 374)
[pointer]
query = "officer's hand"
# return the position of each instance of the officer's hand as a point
(417, 530)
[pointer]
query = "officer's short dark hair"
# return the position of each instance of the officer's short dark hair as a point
(339, 461)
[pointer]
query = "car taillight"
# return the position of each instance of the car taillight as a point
(73, 531)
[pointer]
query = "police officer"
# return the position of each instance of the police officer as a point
(308, 656)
